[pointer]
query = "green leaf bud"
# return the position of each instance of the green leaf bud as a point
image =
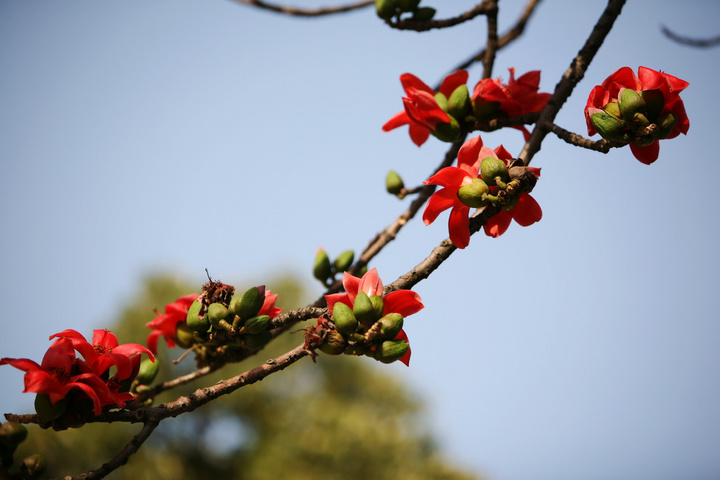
(257, 325)
(459, 105)
(33, 466)
(491, 168)
(423, 14)
(194, 321)
(447, 132)
(630, 103)
(654, 100)
(344, 261)
(333, 344)
(473, 194)
(391, 350)
(344, 319)
(12, 434)
(249, 304)
(407, 5)
(390, 326)
(216, 312)
(393, 183)
(364, 310)
(321, 268)
(609, 127)
(253, 342)
(148, 371)
(386, 9)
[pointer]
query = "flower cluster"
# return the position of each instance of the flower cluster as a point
(639, 110)
(64, 380)
(171, 324)
(445, 112)
(481, 178)
(366, 322)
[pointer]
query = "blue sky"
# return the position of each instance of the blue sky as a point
(184, 135)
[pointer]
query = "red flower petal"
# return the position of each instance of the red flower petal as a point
(498, 224)
(404, 302)
(646, 155)
(459, 225)
(411, 82)
(453, 81)
(438, 203)
(527, 211)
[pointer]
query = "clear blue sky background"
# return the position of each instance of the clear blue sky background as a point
(193, 134)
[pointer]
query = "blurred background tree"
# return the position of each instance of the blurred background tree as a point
(342, 418)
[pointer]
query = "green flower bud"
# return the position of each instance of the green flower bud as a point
(391, 350)
(641, 120)
(334, 343)
(390, 326)
(654, 101)
(216, 312)
(473, 194)
(249, 304)
(364, 310)
(33, 466)
(344, 261)
(344, 319)
(459, 105)
(485, 110)
(194, 321)
(184, 336)
(45, 410)
(407, 5)
(253, 342)
(393, 183)
(609, 127)
(423, 14)
(378, 305)
(491, 168)
(441, 100)
(630, 103)
(447, 132)
(612, 109)
(386, 9)
(257, 325)
(12, 434)
(148, 371)
(666, 122)
(322, 269)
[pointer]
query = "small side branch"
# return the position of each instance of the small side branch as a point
(691, 42)
(310, 12)
(602, 145)
(481, 9)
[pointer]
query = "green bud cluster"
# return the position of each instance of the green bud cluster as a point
(12, 434)
(325, 271)
(635, 117)
(364, 330)
(478, 193)
(387, 9)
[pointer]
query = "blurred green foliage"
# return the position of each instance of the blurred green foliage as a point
(343, 418)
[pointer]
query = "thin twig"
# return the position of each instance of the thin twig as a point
(570, 78)
(691, 42)
(311, 12)
(417, 26)
(601, 145)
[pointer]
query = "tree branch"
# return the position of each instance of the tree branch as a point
(691, 42)
(410, 24)
(311, 12)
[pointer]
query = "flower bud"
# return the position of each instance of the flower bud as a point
(378, 305)
(654, 101)
(344, 319)
(612, 109)
(423, 14)
(216, 312)
(385, 8)
(390, 326)
(393, 183)
(458, 104)
(391, 350)
(491, 168)
(333, 344)
(441, 100)
(33, 466)
(447, 132)
(257, 325)
(253, 342)
(12, 434)
(344, 261)
(46, 410)
(194, 321)
(666, 122)
(184, 336)
(630, 103)
(364, 310)
(321, 268)
(407, 5)
(473, 194)
(148, 371)
(609, 127)
(249, 304)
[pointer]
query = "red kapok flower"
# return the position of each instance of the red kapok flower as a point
(403, 302)
(166, 324)
(422, 112)
(660, 105)
(58, 375)
(269, 307)
(517, 97)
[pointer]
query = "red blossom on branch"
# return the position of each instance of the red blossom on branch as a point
(660, 105)
(166, 324)
(422, 112)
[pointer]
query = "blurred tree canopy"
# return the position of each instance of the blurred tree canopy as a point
(342, 418)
